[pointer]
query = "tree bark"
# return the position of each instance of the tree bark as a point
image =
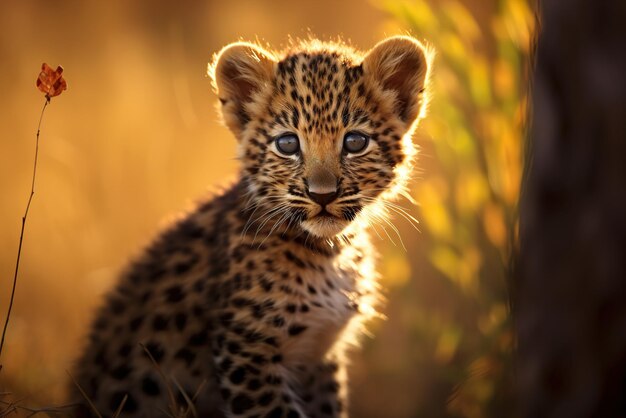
(570, 287)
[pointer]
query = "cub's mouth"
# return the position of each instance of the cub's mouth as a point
(325, 224)
(325, 214)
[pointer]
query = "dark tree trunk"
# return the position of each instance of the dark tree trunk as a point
(570, 288)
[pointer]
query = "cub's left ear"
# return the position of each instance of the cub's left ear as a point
(400, 65)
(239, 71)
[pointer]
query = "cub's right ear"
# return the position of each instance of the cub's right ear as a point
(400, 65)
(239, 71)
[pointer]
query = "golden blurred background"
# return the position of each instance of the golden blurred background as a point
(136, 138)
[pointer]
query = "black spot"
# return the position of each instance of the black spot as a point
(219, 340)
(186, 355)
(291, 308)
(254, 384)
(117, 307)
(295, 117)
(278, 321)
(233, 348)
(286, 289)
(296, 329)
(345, 116)
(266, 284)
(198, 286)
(155, 272)
(101, 357)
(183, 267)
(295, 260)
(198, 310)
(238, 375)
(180, 397)
(199, 338)
(253, 336)
(180, 320)
(258, 359)
(225, 393)
(277, 358)
(271, 341)
(241, 302)
(130, 405)
(225, 364)
(253, 370)
(189, 229)
(135, 277)
(150, 387)
(293, 414)
(304, 308)
(266, 398)
(124, 350)
(241, 403)
(100, 324)
(326, 408)
(159, 323)
(94, 385)
(332, 387)
(146, 296)
(226, 318)
(155, 350)
(121, 372)
(174, 294)
(258, 311)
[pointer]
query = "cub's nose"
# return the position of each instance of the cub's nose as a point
(323, 199)
(321, 185)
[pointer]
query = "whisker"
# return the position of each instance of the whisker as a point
(410, 219)
(400, 210)
(251, 221)
(375, 230)
(277, 211)
(282, 219)
(392, 226)
(387, 233)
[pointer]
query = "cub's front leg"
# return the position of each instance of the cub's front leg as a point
(323, 389)
(253, 382)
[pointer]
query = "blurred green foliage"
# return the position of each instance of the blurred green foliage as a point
(467, 192)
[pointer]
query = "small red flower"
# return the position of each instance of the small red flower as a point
(50, 81)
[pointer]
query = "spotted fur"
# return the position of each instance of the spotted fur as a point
(246, 306)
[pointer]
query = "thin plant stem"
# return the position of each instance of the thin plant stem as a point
(19, 249)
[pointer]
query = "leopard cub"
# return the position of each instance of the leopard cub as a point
(246, 306)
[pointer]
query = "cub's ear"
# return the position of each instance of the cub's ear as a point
(400, 65)
(238, 71)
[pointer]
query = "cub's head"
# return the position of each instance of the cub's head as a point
(324, 131)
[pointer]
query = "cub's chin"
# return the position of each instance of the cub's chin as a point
(325, 226)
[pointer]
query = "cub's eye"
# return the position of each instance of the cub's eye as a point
(288, 144)
(355, 142)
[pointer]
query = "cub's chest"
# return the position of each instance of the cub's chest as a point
(319, 314)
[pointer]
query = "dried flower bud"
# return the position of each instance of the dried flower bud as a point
(51, 81)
